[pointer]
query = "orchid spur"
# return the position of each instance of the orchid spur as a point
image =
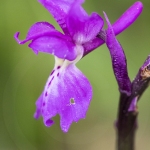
(67, 91)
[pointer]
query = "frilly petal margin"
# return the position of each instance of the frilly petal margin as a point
(83, 28)
(118, 60)
(126, 19)
(59, 9)
(67, 93)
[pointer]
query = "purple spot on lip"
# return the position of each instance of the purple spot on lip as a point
(50, 81)
(52, 72)
(46, 94)
(44, 104)
(49, 123)
(57, 74)
(58, 67)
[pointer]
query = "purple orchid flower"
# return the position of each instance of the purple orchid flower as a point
(67, 91)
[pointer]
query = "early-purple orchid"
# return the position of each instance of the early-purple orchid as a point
(67, 91)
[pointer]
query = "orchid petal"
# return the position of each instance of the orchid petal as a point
(40, 29)
(83, 28)
(59, 9)
(55, 46)
(128, 17)
(46, 39)
(118, 60)
(67, 93)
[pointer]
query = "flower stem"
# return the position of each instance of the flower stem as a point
(126, 126)
(128, 112)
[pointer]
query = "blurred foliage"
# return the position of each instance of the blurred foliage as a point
(23, 75)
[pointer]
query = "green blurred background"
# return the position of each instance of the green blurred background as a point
(23, 76)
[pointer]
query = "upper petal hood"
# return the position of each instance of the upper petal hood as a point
(81, 26)
(60, 9)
